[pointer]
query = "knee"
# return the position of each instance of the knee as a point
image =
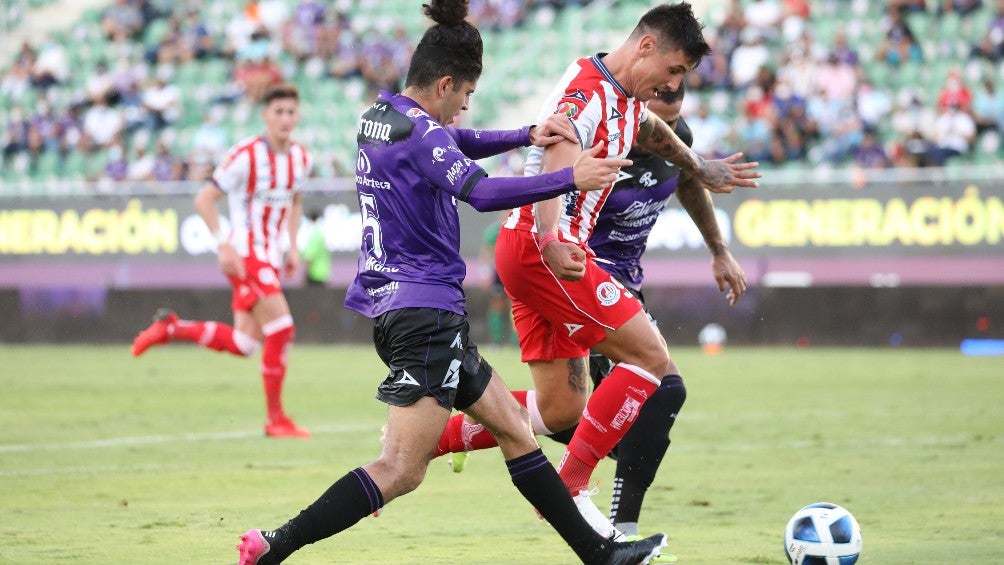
(673, 390)
(515, 429)
(399, 477)
(560, 415)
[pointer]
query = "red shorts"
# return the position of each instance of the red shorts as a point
(555, 318)
(260, 280)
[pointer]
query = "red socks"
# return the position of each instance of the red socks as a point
(213, 335)
(610, 411)
(461, 435)
(278, 335)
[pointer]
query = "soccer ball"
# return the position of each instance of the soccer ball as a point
(822, 534)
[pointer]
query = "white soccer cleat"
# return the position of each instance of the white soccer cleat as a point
(596, 519)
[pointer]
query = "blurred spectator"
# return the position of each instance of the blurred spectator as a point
(209, 138)
(870, 154)
(911, 116)
(747, 59)
(165, 166)
(763, 17)
(988, 106)
(899, 45)
(141, 166)
(122, 21)
(300, 34)
(873, 104)
(910, 6)
(117, 167)
(15, 138)
(836, 79)
(954, 133)
(991, 45)
(254, 76)
(960, 7)
(844, 52)
(800, 72)
(794, 18)
(709, 131)
(162, 101)
(51, 67)
(99, 83)
(955, 92)
(16, 82)
(102, 125)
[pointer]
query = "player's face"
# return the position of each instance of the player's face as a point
(668, 112)
(281, 116)
(455, 101)
(658, 72)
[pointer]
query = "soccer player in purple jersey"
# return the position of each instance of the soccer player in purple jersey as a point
(411, 169)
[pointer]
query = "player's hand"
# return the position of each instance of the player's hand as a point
(230, 263)
(728, 274)
(292, 263)
(596, 173)
(557, 127)
(723, 175)
(567, 260)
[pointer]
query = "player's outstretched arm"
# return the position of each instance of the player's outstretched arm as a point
(719, 175)
(697, 202)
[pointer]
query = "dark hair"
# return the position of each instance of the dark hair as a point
(284, 90)
(673, 96)
(451, 47)
(675, 27)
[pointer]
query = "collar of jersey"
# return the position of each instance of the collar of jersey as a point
(598, 63)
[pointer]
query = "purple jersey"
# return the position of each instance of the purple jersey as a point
(410, 172)
(628, 215)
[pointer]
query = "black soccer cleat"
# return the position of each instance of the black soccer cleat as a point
(636, 552)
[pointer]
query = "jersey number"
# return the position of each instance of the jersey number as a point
(371, 224)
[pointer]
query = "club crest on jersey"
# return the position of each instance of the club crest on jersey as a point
(608, 293)
(567, 108)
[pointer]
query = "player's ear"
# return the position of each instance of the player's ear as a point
(444, 86)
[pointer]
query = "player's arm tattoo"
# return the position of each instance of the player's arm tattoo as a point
(698, 204)
(656, 137)
(577, 373)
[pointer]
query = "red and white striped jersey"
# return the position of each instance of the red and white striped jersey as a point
(601, 110)
(260, 185)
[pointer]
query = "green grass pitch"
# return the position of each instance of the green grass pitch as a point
(108, 459)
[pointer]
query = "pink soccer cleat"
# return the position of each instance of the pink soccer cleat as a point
(252, 547)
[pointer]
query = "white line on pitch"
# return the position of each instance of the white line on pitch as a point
(172, 438)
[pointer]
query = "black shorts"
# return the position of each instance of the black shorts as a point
(600, 366)
(429, 353)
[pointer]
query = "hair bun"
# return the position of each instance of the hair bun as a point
(447, 12)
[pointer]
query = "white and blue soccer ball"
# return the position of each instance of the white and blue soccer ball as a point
(822, 534)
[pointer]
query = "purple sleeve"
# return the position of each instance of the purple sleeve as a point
(481, 143)
(492, 194)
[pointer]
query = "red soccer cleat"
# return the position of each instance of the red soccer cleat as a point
(158, 332)
(282, 426)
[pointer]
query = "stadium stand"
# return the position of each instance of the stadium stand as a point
(154, 90)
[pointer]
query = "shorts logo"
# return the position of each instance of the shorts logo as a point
(267, 276)
(567, 108)
(608, 294)
(406, 379)
(572, 328)
(452, 378)
(457, 342)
